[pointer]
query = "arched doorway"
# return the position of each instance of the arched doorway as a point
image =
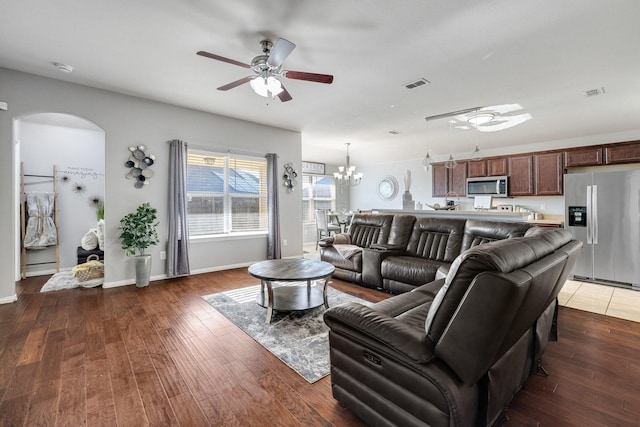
(76, 147)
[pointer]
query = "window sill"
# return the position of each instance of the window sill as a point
(230, 236)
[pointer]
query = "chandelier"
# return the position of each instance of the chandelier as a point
(346, 174)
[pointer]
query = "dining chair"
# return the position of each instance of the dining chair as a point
(323, 227)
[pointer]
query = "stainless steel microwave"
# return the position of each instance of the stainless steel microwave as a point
(496, 186)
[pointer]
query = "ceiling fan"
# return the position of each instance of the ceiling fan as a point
(267, 68)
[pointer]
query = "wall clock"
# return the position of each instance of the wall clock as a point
(388, 188)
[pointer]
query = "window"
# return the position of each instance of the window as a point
(318, 192)
(226, 194)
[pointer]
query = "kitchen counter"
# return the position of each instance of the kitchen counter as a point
(489, 215)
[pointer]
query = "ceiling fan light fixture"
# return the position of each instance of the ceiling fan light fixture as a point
(480, 118)
(259, 86)
(274, 86)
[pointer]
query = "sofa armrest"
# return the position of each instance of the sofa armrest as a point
(336, 239)
(384, 247)
(353, 318)
(372, 258)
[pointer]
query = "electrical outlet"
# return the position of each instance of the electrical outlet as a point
(163, 255)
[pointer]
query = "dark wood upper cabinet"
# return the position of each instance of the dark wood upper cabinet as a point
(440, 176)
(622, 153)
(477, 168)
(520, 170)
(447, 180)
(533, 174)
(458, 179)
(497, 167)
(549, 171)
(588, 156)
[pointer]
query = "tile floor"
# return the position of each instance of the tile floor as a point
(608, 300)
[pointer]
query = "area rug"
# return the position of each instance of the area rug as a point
(65, 280)
(299, 338)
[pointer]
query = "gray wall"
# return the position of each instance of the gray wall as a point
(128, 121)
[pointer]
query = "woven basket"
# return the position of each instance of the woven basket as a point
(92, 269)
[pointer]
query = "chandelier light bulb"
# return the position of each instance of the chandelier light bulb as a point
(347, 173)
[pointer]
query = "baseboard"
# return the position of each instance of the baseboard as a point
(9, 299)
(128, 282)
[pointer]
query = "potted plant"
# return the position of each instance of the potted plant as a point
(138, 231)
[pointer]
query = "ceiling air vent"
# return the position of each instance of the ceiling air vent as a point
(594, 92)
(394, 132)
(417, 83)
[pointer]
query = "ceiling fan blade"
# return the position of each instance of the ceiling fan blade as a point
(279, 53)
(284, 96)
(310, 77)
(236, 83)
(223, 59)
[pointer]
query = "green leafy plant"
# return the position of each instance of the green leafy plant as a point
(138, 230)
(100, 210)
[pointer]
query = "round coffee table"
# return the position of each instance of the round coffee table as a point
(291, 297)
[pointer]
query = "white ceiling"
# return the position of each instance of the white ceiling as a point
(540, 54)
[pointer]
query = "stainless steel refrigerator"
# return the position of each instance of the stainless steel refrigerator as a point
(602, 208)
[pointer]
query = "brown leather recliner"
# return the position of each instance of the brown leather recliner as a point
(344, 250)
(455, 351)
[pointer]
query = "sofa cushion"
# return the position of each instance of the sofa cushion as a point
(477, 232)
(366, 230)
(438, 239)
(331, 254)
(408, 269)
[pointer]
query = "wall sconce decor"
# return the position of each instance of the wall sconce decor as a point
(139, 164)
(289, 177)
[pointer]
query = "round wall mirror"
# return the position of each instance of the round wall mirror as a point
(388, 188)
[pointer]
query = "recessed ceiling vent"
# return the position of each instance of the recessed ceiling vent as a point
(394, 132)
(594, 92)
(417, 83)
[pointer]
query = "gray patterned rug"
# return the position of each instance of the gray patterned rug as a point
(300, 338)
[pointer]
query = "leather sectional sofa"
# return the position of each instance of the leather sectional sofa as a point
(397, 253)
(456, 350)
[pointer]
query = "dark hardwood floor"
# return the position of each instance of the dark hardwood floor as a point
(162, 356)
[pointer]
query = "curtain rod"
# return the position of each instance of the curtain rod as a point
(224, 150)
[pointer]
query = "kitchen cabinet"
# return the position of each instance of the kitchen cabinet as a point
(588, 156)
(448, 180)
(458, 179)
(440, 182)
(497, 166)
(520, 170)
(487, 167)
(477, 168)
(622, 153)
(548, 174)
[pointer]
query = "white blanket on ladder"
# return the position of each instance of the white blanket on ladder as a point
(41, 229)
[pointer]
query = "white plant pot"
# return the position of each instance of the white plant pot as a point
(143, 270)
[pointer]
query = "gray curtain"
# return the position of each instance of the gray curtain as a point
(274, 249)
(178, 248)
